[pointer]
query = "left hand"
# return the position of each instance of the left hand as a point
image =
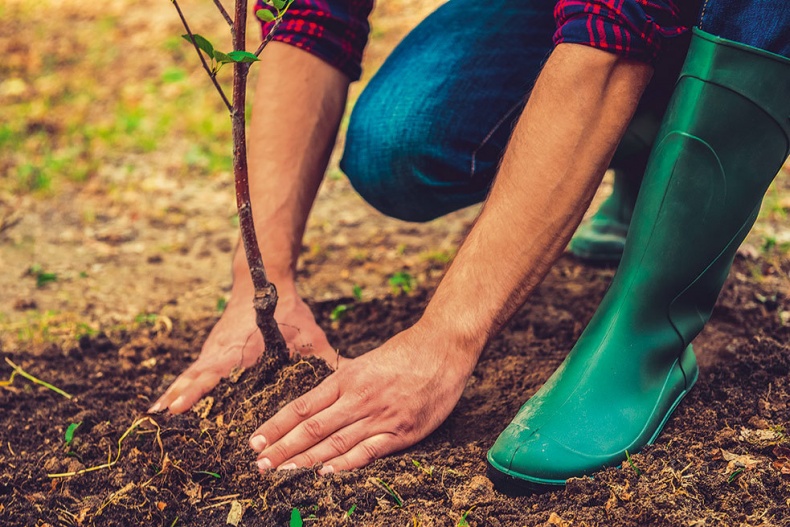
(379, 403)
(236, 341)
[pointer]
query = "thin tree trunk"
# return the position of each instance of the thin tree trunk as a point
(265, 299)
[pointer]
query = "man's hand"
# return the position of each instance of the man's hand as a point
(374, 405)
(236, 342)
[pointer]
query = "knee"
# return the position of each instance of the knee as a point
(387, 161)
(396, 160)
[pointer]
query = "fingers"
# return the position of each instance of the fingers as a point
(326, 435)
(363, 453)
(293, 415)
(185, 391)
(335, 445)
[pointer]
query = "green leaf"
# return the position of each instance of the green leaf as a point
(393, 494)
(265, 15)
(357, 292)
(69, 437)
(463, 522)
(633, 465)
(221, 57)
(146, 318)
(279, 4)
(208, 473)
(222, 303)
(401, 282)
(243, 56)
(350, 511)
(44, 278)
(296, 518)
(202, 42)
(339, 312)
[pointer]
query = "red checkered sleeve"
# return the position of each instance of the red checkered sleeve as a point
(635, 29)
(335, 31)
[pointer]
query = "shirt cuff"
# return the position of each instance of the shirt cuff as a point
(634, 29)
(334, 31)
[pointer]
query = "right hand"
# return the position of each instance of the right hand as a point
(236, 341)
(384, 401)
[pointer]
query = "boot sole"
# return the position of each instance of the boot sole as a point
(514, 484)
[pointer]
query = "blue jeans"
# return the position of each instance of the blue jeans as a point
(428, 133)
(763, 24)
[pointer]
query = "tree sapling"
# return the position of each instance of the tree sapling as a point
(265, 298)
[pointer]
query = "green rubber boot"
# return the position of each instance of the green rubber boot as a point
(601, 238)
(725, 135)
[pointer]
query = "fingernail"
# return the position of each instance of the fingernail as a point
(258, 443)
(155, 408)
(289, 466)
(264, 463)
(326, 469)
(178, 402)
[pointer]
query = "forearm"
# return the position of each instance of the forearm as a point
(559, 151)
(299, 101)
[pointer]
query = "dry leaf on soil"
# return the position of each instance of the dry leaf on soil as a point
(782, 462)
(235, 514)
(736, 461)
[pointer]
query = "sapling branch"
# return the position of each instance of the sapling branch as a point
(268, 37)
(211, 74)
(224, 13)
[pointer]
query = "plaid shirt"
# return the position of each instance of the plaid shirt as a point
(634, 29)
(337, 30)
(333, 30)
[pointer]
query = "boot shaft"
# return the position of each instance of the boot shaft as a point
(725, 136)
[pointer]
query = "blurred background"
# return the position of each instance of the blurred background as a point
(116, 191)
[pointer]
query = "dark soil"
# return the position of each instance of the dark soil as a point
(722, 459)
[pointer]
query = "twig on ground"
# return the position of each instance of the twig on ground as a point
(19, 371)
(10, 220)
(112, 462)
(220, 504)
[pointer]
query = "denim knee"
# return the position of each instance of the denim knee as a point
(428, 132)
(396, 162)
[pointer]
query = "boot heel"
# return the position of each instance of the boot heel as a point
(687, 362)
